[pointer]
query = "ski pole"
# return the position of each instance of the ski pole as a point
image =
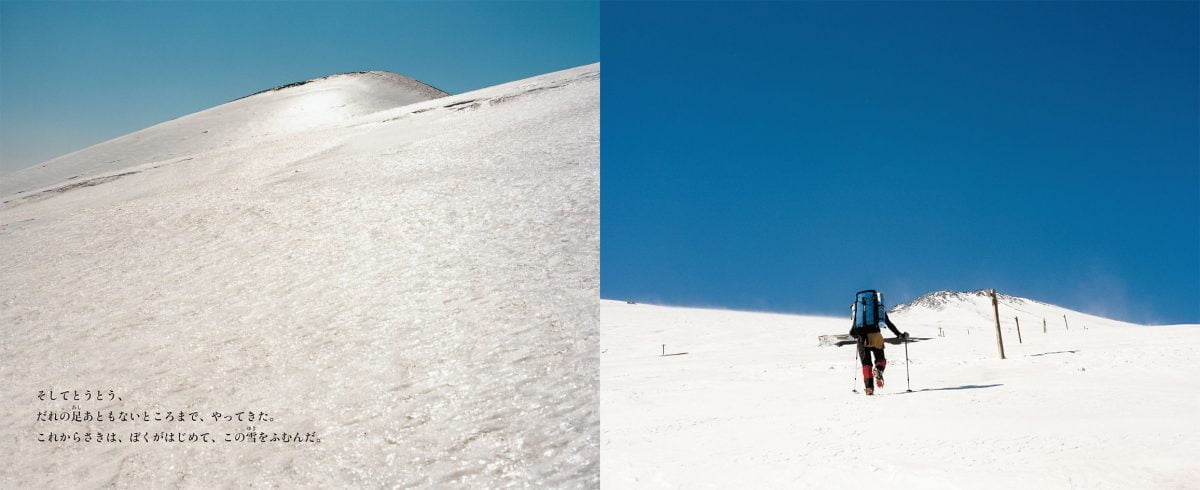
(854, 387)
(907, 379)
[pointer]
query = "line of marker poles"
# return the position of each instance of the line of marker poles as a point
(1000, 337)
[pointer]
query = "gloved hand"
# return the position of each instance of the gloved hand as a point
(903, 335)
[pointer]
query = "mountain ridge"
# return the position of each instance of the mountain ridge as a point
(279, 111)
(381, 73)
(940, 298)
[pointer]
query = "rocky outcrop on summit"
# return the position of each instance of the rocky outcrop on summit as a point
(938, 300)
(955, 309)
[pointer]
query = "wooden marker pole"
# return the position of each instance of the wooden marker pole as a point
(999, 336)
(1019, 341)
(1043, 325)
(1065, 322)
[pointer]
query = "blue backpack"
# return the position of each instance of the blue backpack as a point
(868, 309)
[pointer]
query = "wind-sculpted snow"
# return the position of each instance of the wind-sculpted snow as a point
(757, 402)
(416, 285)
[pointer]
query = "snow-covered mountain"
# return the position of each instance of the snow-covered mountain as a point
(959, 309)
(252, 120)
(752, 400)
(939, 300)
(411, 277)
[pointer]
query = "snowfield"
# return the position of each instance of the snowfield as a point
(409, 276)
(756, 402)
(321, 103)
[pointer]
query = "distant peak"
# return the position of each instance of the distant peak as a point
(938, 300)
(399, 79)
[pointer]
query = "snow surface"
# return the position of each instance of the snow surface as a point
(756, 403)
(319, 103)
(414, 280)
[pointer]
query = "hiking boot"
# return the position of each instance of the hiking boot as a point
(869, 390)
(878, 378)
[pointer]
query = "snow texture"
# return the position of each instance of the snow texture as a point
(313, 104)
(413, 277)
(756, 402)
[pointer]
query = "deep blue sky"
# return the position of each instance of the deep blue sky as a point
(783, 156)
(76, 74)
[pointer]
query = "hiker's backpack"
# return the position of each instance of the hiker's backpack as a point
(868, 309)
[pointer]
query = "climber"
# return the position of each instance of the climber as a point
(868, 314)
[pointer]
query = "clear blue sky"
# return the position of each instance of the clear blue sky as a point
(76, 74)
(783, 156)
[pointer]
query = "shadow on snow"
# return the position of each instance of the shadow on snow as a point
(1055, 352)
(963, 387)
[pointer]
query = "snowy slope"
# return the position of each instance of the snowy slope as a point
(756, 403)
(959, 310)
(319, 103)
(415, 283)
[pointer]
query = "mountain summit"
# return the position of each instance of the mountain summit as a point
(280, 111)
(939, 300)
(960, 308)
(399, 84)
